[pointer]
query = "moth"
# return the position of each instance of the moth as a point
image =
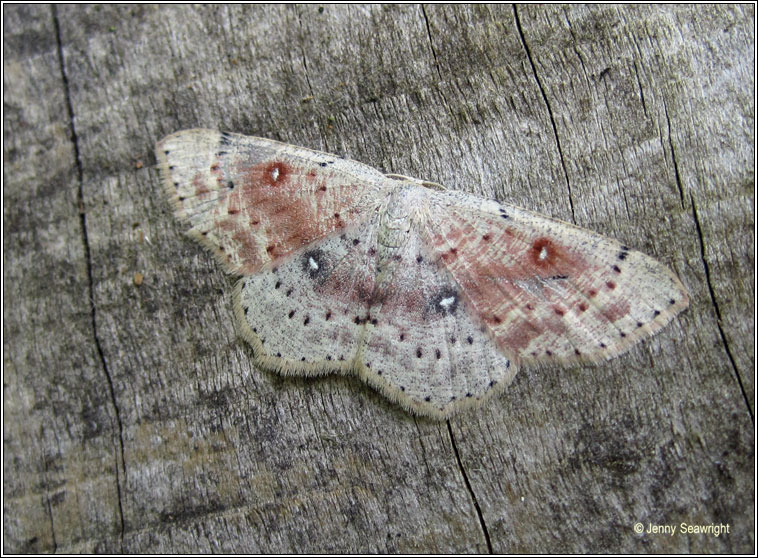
(433, 297)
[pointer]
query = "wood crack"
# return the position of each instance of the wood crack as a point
(549, 109)
(479, 514)
(120, 464)
(715, 304)
(431, 43)
(674, 160)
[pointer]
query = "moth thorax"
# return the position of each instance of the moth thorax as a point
(396, 220)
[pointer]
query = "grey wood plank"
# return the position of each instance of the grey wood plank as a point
(133, 419)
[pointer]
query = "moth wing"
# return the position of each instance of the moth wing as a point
(547, 290)
(423, 347)
(306, 315)
(252, 201)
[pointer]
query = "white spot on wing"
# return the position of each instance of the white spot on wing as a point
(446, 303)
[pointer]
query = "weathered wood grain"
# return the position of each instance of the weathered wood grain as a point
(133, 419)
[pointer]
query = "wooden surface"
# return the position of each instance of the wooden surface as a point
(133, 419)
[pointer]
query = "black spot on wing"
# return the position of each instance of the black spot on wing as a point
(226, 139)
